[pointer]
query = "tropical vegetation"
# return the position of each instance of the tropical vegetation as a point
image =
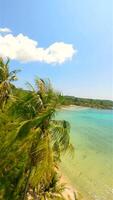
(31, 140)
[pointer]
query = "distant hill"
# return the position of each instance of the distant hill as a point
(93, 103)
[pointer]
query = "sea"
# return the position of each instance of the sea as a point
(90, 170)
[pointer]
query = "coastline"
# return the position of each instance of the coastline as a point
(71, 107)
(76, 107)
(70, 192)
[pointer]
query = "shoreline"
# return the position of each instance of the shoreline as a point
(76, 107)
(70, 192)
(70, 106)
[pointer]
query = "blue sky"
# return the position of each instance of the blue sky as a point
(87, 25)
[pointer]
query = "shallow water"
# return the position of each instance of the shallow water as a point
(91, 169)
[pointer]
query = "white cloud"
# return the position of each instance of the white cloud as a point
(24, 49)
(5, 30)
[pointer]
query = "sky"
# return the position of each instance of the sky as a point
(68, 41)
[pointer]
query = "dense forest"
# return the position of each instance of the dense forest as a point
(93, 103)
(31, 140)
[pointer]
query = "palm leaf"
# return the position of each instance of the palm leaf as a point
(26, 126)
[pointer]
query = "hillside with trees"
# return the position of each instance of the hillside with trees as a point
(85, 102)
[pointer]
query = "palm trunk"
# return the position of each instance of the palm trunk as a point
(27, 184)
(33, 193)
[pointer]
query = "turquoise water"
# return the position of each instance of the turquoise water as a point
(91, 169)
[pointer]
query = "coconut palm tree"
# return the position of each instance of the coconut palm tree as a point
(6, 77)
(32, 149)
(41, 138)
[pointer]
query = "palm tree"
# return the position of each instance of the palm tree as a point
(33, 147)
(41, 137)
(6, 77)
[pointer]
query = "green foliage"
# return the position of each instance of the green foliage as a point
(31, 141)
(6, 78)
